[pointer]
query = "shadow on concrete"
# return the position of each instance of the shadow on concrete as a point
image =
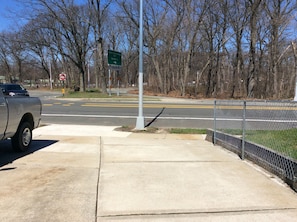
(8, 155)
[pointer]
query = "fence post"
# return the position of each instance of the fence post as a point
(243, 130)
(214, 123)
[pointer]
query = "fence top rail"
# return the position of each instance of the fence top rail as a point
(256, 103)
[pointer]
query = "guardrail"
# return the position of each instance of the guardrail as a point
(263, 132)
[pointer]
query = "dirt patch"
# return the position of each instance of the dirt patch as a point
(146, 130)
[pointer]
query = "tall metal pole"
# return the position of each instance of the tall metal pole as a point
(214, 140)
(140, 118)
(295, 97)
(295, 57)
(243, 130)
(88, 74)
(109, 81)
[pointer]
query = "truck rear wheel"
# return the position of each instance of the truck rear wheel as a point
(22, 138)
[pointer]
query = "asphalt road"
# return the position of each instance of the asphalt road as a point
(180, 113)
(119, 112)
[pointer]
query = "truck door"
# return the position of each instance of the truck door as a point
(3, 114)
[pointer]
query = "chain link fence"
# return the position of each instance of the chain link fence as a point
(264, 132)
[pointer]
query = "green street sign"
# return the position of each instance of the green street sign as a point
(114, 58)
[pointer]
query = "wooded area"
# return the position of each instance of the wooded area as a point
(201, 48)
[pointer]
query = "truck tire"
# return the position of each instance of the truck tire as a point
(22, 138)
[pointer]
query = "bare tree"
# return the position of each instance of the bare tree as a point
(238, 21)
(171, 31)
(154, 17)
(98, 15)
(236, 48)
(5, 55)
(212, 29)
(129, 48)
(294, 47)
(254, 7)
(70, 31)
(37, 43)
(17, 54)
(194, 18)
(279, 11)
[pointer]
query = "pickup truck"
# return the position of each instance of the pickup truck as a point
(19, 115)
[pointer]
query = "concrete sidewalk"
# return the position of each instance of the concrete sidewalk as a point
(106, 175)
(163, 177)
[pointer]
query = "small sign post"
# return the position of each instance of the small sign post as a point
(62, 77)
(115, 63)
(114, 58)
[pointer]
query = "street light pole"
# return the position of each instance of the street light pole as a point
(140, 118)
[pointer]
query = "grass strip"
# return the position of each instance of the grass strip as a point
(187, 131)
(281, 141)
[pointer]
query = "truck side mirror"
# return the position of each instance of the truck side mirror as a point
(4, 91)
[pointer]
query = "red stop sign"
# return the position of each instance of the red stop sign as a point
(62, 76)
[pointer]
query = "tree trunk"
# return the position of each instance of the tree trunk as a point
(159, 75)
(294, 47)
(250, 81)
(101, 66)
